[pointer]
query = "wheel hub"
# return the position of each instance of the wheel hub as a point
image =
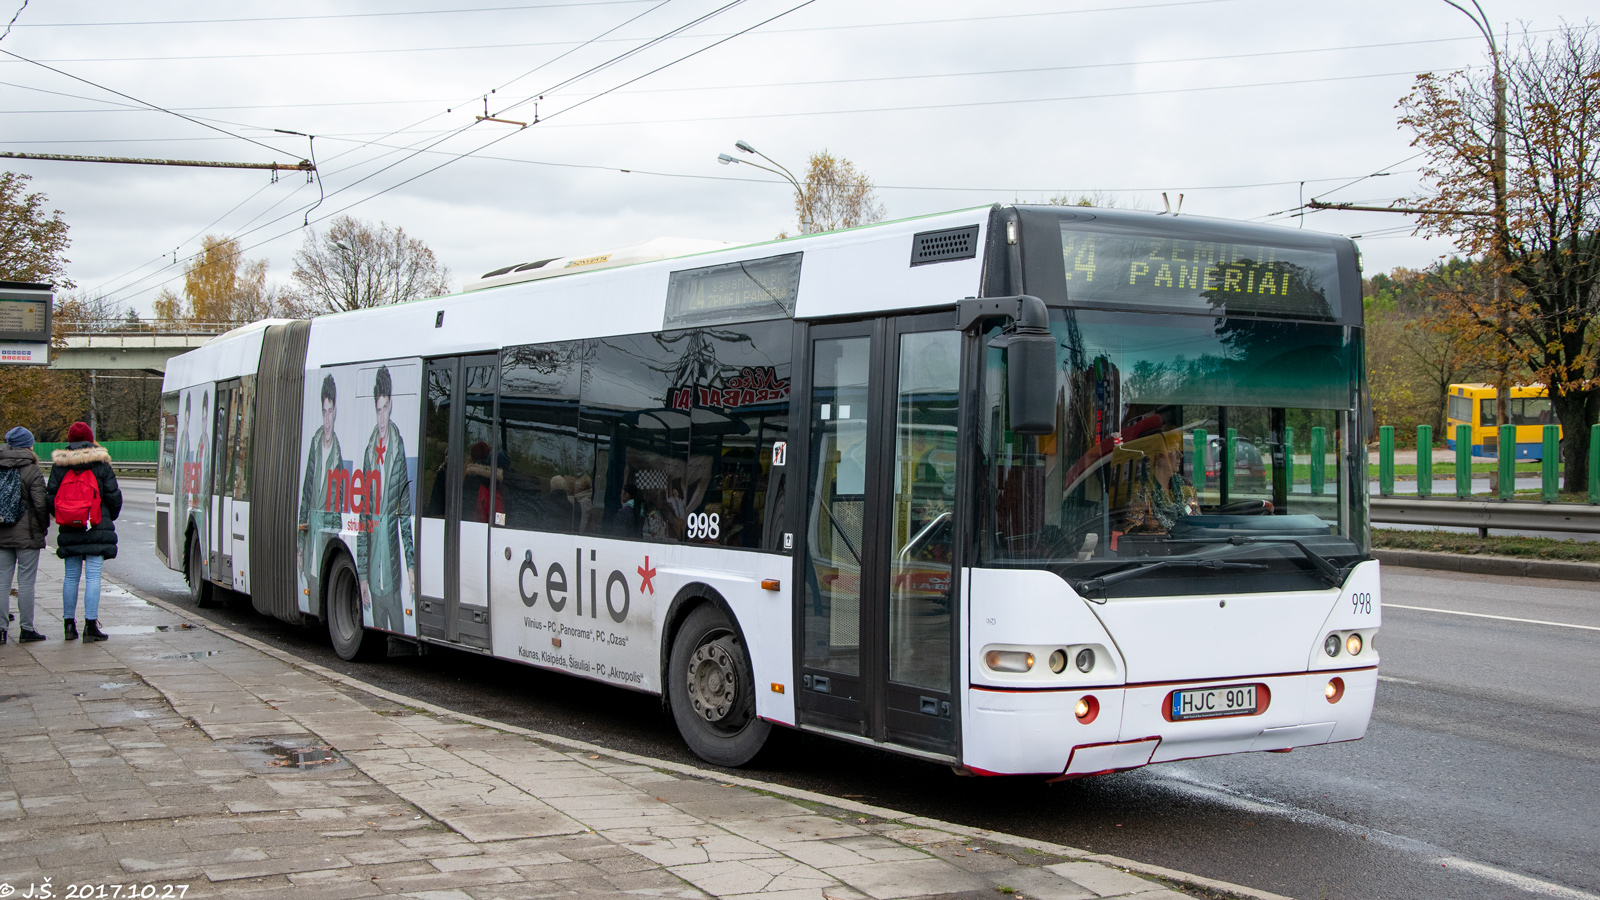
(713, 682)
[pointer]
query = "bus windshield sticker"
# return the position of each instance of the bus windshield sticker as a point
(1117, 269)
(734, 292)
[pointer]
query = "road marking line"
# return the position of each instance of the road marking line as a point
(1454, 612)
(1419, 849)
(1521, 882)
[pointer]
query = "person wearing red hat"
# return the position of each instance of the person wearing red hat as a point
(85, 538)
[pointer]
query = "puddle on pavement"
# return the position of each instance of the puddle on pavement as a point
(7, 698)
(193, 654)
(305, 754)
(147, 629)
(107, 729)
(114, 686)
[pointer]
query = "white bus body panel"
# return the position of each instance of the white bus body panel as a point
(1024, 722)
(596, 607)
(232, 355)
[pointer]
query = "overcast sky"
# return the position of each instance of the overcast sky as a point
(946, 105)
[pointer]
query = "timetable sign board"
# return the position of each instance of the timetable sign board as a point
(25, 323)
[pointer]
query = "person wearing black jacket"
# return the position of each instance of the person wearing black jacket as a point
(85, 550)
(21, 541)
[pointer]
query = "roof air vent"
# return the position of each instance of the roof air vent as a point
(942, 246)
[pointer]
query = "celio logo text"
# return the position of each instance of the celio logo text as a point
(556, 590)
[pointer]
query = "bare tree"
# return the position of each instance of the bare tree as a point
(1546, 244)
(355, 266)
(834, 195)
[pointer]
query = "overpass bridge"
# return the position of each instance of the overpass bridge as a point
(143, 347)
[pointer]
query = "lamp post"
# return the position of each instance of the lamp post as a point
(780, 171)
(1498, 242)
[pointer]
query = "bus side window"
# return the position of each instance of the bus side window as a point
(539, 434)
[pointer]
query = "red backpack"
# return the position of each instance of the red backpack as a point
(78, 500)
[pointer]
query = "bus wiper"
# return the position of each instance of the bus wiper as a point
(1211, 565)
(1332, 574)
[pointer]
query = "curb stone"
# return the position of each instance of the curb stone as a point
(840, 803)
(1471, 564)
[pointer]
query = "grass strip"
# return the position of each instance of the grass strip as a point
(1495, 545)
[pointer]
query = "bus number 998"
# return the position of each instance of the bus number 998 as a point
(704, 526)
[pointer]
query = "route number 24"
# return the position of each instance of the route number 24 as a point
(1361, 603)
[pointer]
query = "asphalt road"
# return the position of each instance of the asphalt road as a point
(1479, 778)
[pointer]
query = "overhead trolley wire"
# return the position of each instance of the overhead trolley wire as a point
(509, 134)
(153, 106)
(370, 15)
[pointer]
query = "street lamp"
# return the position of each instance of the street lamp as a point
(799, 192)
(1498, 161)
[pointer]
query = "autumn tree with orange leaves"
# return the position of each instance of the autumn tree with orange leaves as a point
(1548, 249)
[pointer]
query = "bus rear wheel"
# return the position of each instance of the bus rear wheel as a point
(201, 591)
(343, 595)
(712, 691)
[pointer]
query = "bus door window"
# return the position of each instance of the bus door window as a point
(923, 513)
(433, 469)
(838, 409)
(479, 501)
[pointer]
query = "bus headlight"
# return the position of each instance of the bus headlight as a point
(1352, 644)
(1058, 661)
(1335, 690)
(1087, 709)
(1331, 645)
(1085, 660)
(1009, 660)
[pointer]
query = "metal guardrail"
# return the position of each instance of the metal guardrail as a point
(1484, 514)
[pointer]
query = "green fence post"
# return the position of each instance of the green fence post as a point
(1549, 466)
(1230, 445)
(1463, 461)
(1288, 457)
(1508, 461)
(1319, 437)
(1594, 463)
(1199, 473)
(1424, 460)
(1386, 461)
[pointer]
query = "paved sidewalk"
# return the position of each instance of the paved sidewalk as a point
(178, 754)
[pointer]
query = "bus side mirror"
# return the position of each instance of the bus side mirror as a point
(1031, 383)
(1030, 369)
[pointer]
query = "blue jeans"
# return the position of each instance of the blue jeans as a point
(91, 586)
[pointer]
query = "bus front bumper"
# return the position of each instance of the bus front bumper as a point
(1038, 732)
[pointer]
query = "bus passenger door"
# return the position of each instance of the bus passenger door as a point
(453, 534)
(875, 571)
(219, 493)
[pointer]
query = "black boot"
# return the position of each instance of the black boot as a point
(92, 632)
(28, 636)
(2, 635)
(70, 628)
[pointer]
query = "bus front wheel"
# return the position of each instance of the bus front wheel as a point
(345, 628)
(712, 690)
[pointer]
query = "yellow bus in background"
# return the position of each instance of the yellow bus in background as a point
(1475, 405)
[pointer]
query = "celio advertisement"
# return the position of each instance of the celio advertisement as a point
(358, 485)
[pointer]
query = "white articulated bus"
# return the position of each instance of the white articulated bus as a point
(1016, 489)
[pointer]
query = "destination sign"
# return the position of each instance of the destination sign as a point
(1116, 268)
(734, 292)
(25, 312)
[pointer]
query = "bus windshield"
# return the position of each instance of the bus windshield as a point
(1217, 444)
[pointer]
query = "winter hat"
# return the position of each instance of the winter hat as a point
(80, 431)
(19, 437)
